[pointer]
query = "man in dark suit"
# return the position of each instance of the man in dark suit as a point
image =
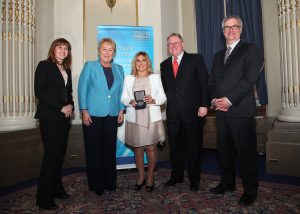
(184, 78)
(234, 73)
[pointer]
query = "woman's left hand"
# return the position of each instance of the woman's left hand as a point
(149, 100)
(67, 110)
(121, 117)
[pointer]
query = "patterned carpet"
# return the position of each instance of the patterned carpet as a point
(273, 198)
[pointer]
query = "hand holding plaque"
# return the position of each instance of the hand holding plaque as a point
(139, 98)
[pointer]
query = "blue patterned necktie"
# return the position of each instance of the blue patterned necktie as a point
(227, 53)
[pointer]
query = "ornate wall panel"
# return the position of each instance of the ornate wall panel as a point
(17, 101)
(289, 27)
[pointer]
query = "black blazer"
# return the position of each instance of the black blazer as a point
(236, 79)
(188, 91)
(50, 89)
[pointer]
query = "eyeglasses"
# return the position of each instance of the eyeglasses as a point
(173, 44)
(233, 27)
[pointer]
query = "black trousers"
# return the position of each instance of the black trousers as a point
(100, 149)
(238, 136)
(54, 137)
(185, 141)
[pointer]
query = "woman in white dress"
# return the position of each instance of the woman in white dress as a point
(144, 126)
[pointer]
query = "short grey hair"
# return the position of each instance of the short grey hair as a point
(232, 17)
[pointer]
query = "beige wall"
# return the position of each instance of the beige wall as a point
(272, 56)
(44, 28)
(169, 22)
(189, 25)
(97, 13)
(150, 15)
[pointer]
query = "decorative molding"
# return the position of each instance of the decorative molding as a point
(111, 3)
(285, 5)
(17, 100)
(22, 11)
(17, 11)
(289, 23)
(10, 11)
(4, 10)
(17, 36)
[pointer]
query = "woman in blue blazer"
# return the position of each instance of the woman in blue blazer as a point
(99, 93)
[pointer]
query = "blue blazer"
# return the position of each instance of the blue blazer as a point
(93, 92)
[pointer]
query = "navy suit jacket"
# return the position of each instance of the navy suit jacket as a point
(236, 79)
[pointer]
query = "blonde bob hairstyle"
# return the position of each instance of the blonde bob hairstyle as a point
(108, 41)
(134, 71)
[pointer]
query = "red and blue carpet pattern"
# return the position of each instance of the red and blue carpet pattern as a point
(272, 198)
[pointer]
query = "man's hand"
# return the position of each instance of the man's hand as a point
(221, 104)
(202, 111)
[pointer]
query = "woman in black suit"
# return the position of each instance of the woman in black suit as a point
(53, 89)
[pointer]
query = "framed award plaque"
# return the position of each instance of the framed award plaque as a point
(139, 98)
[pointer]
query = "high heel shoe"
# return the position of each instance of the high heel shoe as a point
(150, 188)
(139, 186)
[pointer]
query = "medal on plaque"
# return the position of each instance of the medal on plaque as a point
(139, 98)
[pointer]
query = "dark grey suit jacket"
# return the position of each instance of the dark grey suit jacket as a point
(236, 79)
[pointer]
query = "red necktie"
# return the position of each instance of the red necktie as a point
(175, 66)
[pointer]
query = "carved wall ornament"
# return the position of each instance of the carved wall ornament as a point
(111, 3)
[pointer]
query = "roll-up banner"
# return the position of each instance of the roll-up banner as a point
(129, 41)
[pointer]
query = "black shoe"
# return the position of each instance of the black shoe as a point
(194, 187)
(221, 190)
(139, 186)
(62, 196)
(99, 192)
(150, 188)
(47, 206)
(247, 199)
(172, 182)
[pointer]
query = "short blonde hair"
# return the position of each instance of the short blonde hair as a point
(109, 41)
(134, 71)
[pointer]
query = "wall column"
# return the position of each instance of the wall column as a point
(17, 101)
(283, 146)
(289, 28)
